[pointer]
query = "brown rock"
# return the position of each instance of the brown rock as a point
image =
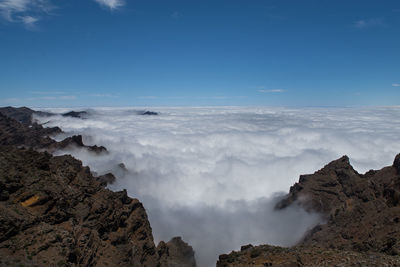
(176, 253)
(362, 221)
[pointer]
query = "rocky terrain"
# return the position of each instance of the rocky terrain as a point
(54, 212)
(362, 220)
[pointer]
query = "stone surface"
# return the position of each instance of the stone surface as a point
(176, 253)
(361, 220)
(75, 114)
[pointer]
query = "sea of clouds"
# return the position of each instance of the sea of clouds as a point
(213, 175)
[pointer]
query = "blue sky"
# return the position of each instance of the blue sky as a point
(57, 53)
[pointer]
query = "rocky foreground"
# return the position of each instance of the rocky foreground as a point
(54, 212)
(362, 220)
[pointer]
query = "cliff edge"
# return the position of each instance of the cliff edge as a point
(54, 212)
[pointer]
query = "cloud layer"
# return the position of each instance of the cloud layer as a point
(211, 175)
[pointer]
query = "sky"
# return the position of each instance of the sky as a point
(80, 53)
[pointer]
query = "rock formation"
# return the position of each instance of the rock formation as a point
(362, 220)
(149, 113)
(75, 114)
(54, 212)
(176, 253)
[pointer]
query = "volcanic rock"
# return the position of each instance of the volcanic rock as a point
(107, 178)
(77, 141)
(265, 255)
(149, 113)
(54, 212)
(176, 253)
(22, 114)
(361, 220)
(75, 114)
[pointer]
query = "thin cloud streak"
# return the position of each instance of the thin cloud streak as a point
(368, 23)
(47, 92)
(29, 12)
(396, 84)
(271, 90)
(111, 4)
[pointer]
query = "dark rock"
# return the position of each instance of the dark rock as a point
(396, 163)
(61, 202)
(361, 215)
(75, 114)
(77, 141)
(245, 247)
(22, 114)
(149, 113)
(176, 253)
(107, 178)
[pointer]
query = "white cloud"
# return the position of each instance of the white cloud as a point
(29, 21)
(211, 174)
(271, 90)
(396, 84)
(27, 12)
(112, 4)
(47, 92)
(51, 97)
(362, 24)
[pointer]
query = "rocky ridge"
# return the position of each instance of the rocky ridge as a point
(362, 220)
(54, 212)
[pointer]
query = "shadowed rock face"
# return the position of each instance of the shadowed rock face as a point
(35, 136)
(22, 114)
(362, 219)
(149, 113)
(75, 114)
(18, 134)
(362, 211)
(176, 253)
(76, 141)
(54, 212)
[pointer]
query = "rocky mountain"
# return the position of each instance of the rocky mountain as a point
(22, 114)
(54, 212)
(362, 220)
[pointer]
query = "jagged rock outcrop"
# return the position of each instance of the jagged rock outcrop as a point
(54, 212)
(176, 253)
(33, 135)
(361, 212)
(265, 255)
(149, 113)
(22, 114)
(17, 134)
(75, 114)
(76, 141)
